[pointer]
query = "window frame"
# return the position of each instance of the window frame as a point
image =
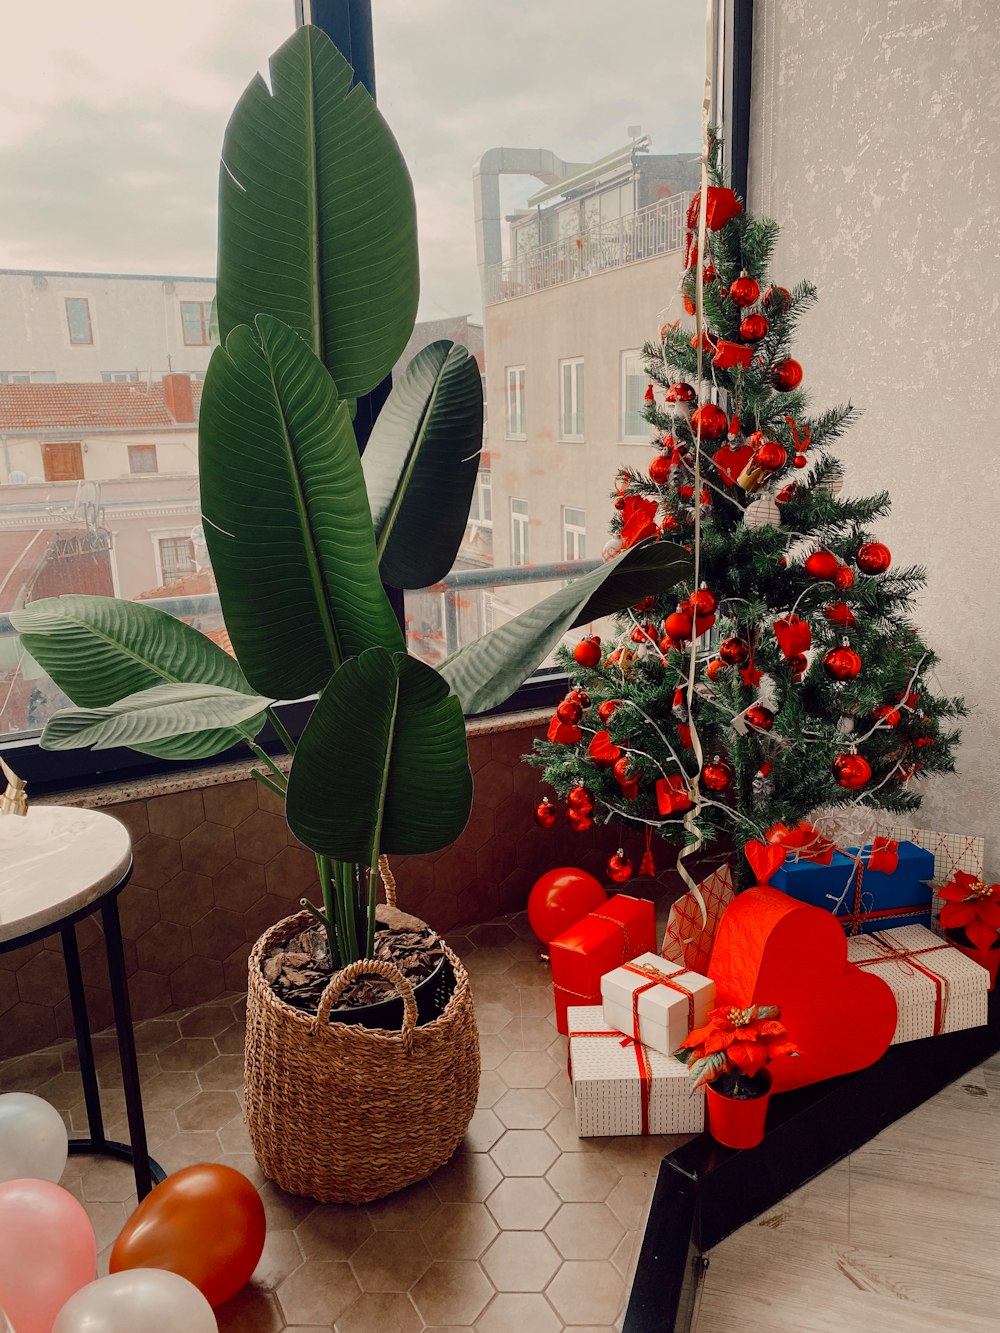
(79, 342)
(578, 531)
(577, 396)
(205, 317)
(144, 451)
(349, 25)
(520, 387)
(623, 377)
(522, 540)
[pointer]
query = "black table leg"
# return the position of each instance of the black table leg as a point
(84, 1043)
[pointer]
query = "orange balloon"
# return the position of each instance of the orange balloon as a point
(205, 1223)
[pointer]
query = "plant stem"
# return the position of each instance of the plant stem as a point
(372, 892)
(343, 870)
(265, 781)
(266, 759)
(280, 731)
(331, 903)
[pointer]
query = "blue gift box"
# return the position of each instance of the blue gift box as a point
(865, 907)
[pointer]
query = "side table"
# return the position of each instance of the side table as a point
(59, 864)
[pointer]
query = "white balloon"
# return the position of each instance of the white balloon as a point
(138, 1300)
(33, 1141)
(5, 1325)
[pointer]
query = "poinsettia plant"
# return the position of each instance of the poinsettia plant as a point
(973, 906)
(736, 1043)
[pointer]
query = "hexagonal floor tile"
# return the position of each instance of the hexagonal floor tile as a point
(583, 1177)
(528, 1069)
(318, 1292)
(468, 1178)
(333, 1232)
(526, 1108)
(452, 1292)
(523, 1204)
(484, 1130)
(587, 1292)
(459, 1231)
(521, 1261)
(390, 1261)
(524, 1152)
(521, 1312)
(388, 1312)
(585, 1231)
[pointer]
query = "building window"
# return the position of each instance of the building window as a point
(27, 377)
(142, 458)
(78, 318)
(481, 511)
(196, 319)
(571, 399)
(518, 532)
(62, 462)
(574, 534)
(516, 421)
(119, 376)
(176, 558)
(633, 390)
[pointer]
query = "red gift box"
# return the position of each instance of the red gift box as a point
(613, 934)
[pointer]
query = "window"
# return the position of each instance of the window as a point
(481, 511)
(142, 458)
(518, 532)
(78, 318)
(571, 399)
(574, 534)
(176, 558)
(516, 425)
(633, 390)
(62, 462)
(196, 320)
(119, 376)
(27, 377)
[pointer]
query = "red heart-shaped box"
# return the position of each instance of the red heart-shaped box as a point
(771, 949)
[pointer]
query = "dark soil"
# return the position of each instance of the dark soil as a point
(740, 1088)
(299, 969)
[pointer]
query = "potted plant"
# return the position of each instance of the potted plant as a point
(728, 1056)
(970, 917)
(317, 296)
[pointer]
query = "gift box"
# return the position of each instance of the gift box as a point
(694, 920)
(937, 988)
(657, 1001)
(613, 934)
(817, 884)
(622, 1087)
(883, 898)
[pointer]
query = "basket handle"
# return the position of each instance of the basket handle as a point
(374, 967)
(388, 879)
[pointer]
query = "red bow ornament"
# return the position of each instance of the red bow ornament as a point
(794, 635)
(803, 840)
(884, 856)
(672, 796)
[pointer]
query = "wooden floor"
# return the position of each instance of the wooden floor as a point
(903, 1236)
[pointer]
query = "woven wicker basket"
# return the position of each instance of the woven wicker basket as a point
(347, 1114)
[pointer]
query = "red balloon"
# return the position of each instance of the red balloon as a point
(205, 1223)
(561, 898)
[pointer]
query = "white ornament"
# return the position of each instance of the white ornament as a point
(611, 548)
(831, 486)
(845, 725)
(763, 513)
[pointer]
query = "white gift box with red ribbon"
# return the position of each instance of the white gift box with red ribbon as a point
(621, 1087)
(937, 988)
(657, 1001)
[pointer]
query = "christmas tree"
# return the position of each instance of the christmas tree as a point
(791, 676)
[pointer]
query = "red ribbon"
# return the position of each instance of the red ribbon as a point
(654, 977)
(853, 920)
(942, 986)
(804, 840)
(627, 951)
(645, 1072)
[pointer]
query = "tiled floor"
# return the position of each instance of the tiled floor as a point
(902, 1236)
(528, 1229)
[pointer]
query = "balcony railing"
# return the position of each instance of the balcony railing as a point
(656, 229)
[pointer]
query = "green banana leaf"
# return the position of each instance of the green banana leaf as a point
(286, 514)
(383, 763)
(317, 222)
(489, 670)
(190, 719)
(420, 465)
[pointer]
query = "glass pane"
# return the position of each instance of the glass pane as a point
(113, 119)
(579, 398)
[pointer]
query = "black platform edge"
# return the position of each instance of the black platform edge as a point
(111, 1148)
(705, 1192)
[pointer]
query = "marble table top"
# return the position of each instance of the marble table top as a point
(55, 860)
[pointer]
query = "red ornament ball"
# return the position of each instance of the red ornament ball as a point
(704, 601)
(800, 460)
(873, 558)
(678, 625)
(546, 813)
(786, 375)
(717, 775)
(744, 290)
(839, 613)
(581, 696)
(579, 798)
(842, 663)
(579, 821)
(643, 633)
(887, 714)
(659, 469)
(715, 667)
(588, 651)
(734, 651)
(771, 455)
(561, 898)
(777, 299)
(711, 421)
(798, 663)
(821, 565)
(569, 711)
(843, 578)
(606, 707)
(753, 328)
(851, 770)
(759, 717)
(619, 867)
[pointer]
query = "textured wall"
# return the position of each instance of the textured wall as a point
(215, 866)
(875, 142)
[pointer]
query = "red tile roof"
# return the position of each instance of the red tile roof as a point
(54, 406)
(188, 585)
(22, 554)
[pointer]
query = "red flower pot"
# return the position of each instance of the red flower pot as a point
(738, 1122)
(988, 958)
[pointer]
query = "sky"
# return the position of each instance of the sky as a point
(113, 115)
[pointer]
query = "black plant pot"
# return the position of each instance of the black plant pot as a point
(431, 994)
